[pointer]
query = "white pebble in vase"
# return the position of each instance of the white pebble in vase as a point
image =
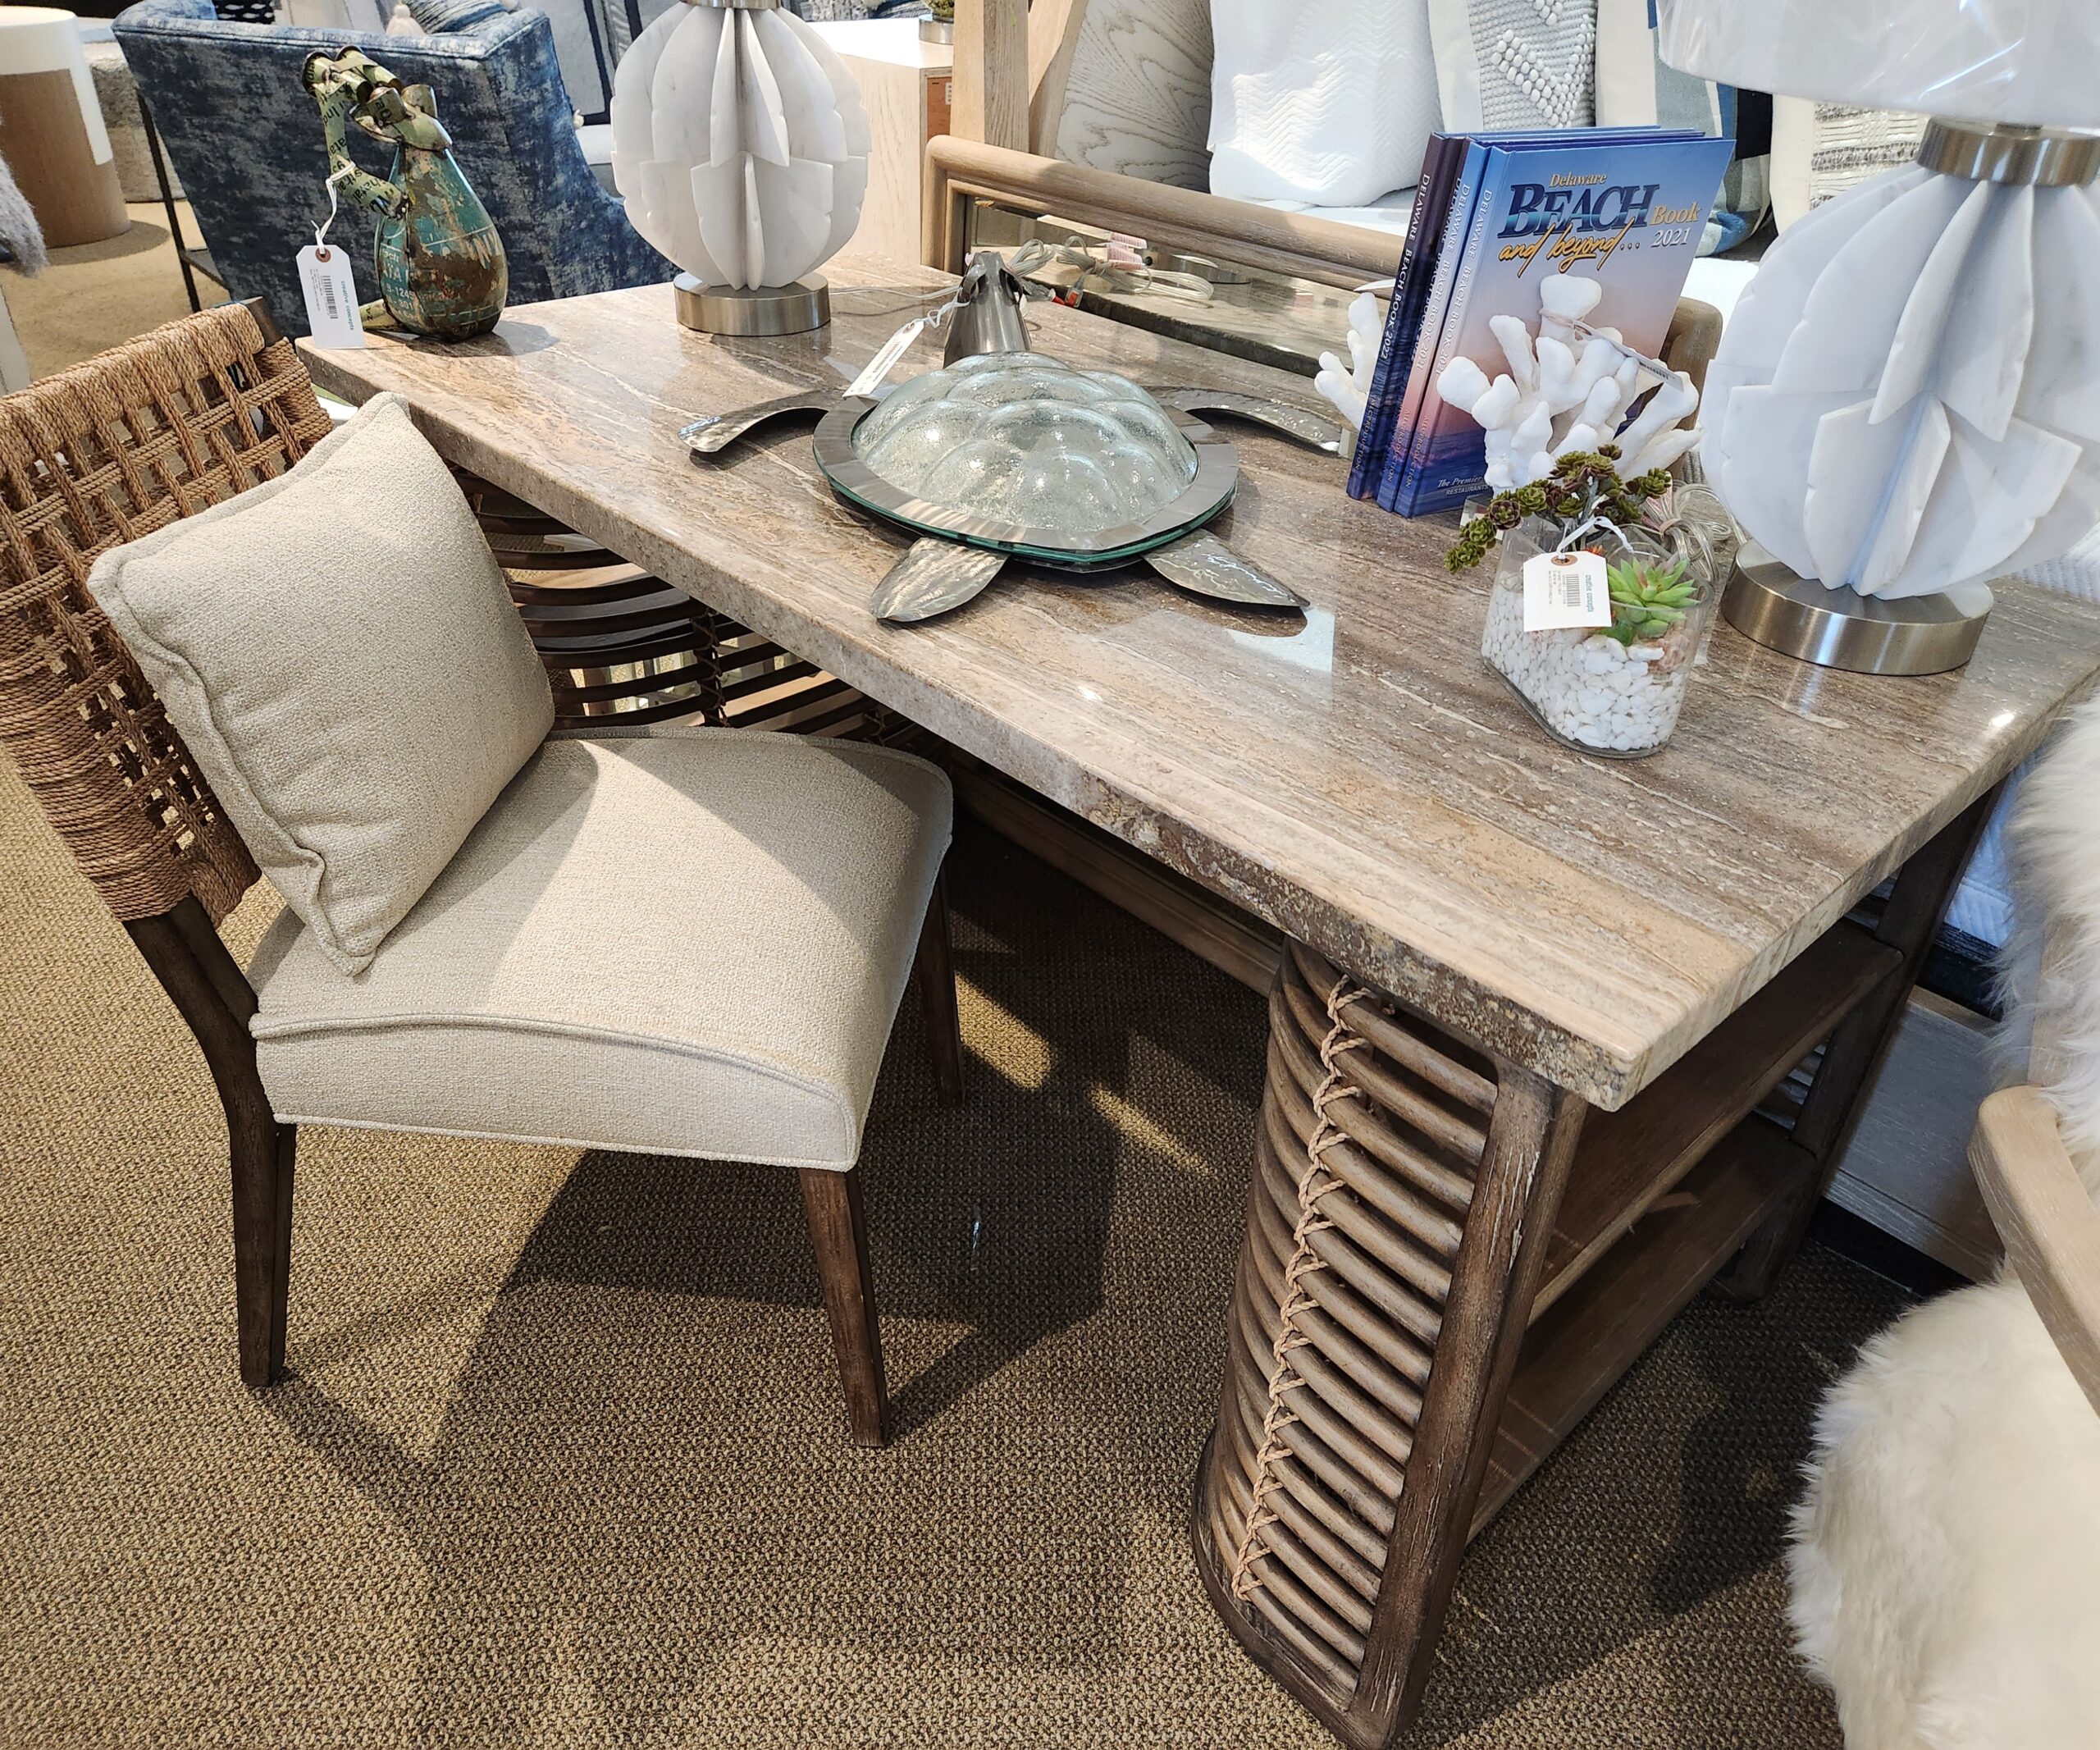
(1587, 689)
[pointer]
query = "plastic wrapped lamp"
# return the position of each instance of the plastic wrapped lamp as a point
(741, 146)
(1906, 401)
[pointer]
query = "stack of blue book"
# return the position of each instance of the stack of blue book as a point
(1493, 215)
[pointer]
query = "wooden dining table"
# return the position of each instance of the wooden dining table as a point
(1556, 1041)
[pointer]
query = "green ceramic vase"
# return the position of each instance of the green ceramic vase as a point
(441, 268)
(440, 263)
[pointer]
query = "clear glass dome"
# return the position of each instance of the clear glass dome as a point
(1030, 440)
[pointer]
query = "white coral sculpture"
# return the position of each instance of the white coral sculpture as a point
(1569, 390)
(1350, 387)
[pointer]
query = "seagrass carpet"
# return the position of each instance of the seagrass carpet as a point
(94, 295)
(561, 1461)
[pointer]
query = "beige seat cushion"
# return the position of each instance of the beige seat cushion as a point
(688, 942)
(338, 651)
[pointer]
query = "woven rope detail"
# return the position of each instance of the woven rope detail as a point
(1314, 1182)
(181, 418)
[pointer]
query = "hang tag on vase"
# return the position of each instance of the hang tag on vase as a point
(872, 373)
(1565, 589)
(332, 298)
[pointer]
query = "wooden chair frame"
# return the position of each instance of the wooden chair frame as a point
(2041, 1209)
(2046, 1219)
(187, 416)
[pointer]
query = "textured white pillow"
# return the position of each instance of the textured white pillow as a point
(338, 651)
(1517, 63)
(1327, 102)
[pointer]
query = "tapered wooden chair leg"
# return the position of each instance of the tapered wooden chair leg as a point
(936, 974)
(212, 994)
(262, 1158)
(839, 1231)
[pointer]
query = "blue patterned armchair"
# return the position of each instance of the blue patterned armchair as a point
(245, 139)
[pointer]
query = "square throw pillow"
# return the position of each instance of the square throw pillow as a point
(1329, 105)
(1515, 63)
(338, 651)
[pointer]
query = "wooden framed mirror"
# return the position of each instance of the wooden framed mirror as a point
(1092, 117)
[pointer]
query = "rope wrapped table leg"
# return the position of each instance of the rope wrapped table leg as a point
(1371, 1135)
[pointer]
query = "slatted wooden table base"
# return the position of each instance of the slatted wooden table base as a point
(621, 646)
(1448, 1262)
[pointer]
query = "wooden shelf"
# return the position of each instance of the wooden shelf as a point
(1598, 1328)
(1627, 1159)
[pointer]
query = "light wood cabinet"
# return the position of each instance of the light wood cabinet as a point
(908, 88)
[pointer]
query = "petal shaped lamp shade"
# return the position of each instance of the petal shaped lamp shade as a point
(741, 146)
(2026, 61)
(1906, 400)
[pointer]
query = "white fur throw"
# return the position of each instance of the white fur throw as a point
(2056, 878)
(20, 234)
(1946, 1565)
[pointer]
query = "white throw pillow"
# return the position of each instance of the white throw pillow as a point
(1516, 63)
(337, 649)
(1327, 102)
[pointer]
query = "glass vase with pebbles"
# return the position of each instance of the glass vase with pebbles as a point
(1614, 686)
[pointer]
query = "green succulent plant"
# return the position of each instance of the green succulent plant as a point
(1647, 598)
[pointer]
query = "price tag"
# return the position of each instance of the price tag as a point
(1565, 589)
(332, 297)
(873, 373)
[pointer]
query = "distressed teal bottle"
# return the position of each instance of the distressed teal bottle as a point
(441, 264)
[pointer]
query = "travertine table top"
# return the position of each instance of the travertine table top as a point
(1358, 777)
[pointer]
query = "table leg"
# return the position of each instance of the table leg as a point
(1405, 1193)
(1845, 1079)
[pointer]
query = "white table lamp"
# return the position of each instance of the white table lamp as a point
(1906, 402)
(742, 148)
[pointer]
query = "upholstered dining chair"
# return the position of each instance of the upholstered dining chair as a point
(688, 942)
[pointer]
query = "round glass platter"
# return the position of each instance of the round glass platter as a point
(1022, 453)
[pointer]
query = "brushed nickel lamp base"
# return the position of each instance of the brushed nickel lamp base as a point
(759, 312)
(1840, 628)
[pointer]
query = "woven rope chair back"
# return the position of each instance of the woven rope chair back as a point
(181, 418)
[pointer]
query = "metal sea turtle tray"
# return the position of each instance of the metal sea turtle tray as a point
(1016, 454)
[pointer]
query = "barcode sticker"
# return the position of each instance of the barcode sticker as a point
(1565, 589)
(332, 297)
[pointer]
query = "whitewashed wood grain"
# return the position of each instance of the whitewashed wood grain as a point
(991, 61)
(892, 75)
(1138, 91)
